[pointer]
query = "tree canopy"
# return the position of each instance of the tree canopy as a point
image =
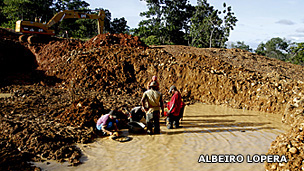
(14, 10)
(296, 54)
(274, 48)
(208, 29)
(179, 22)
(241, 45)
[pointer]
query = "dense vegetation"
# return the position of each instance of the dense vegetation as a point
(179, 22)
(278, 48)
(165, 22)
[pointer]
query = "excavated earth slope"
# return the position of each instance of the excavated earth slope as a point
(75, 82)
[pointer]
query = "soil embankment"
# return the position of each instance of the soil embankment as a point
(80, 81)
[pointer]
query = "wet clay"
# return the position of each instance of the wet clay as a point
(4, 95)
(207, 130)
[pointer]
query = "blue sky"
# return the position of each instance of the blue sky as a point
(259, 20)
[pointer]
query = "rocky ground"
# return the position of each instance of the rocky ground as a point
(60, 89)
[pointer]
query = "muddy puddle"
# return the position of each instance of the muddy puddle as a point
(207, 130)
(4, 95)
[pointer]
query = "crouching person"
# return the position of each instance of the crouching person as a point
(136, 114)
(107, 123)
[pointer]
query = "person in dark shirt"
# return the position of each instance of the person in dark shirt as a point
(136, 114)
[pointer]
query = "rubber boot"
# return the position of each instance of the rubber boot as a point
(169, 123)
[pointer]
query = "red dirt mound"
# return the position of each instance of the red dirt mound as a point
(115, 39)
(50, 55)
(82, 113)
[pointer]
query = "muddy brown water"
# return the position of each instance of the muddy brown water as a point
(4, 95)
(207, 130)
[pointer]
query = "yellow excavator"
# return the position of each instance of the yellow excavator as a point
(34, 32)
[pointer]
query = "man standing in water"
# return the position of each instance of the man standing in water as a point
(155, 101)
(154, 79)
(174, 106)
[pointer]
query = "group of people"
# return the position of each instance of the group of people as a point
(152, 107)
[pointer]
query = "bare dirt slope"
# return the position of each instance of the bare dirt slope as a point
(75, 82)
(242, 59)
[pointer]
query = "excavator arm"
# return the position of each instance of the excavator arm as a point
(37, 28)
(75, 14)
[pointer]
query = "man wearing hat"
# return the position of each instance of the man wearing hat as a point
(107, 123)
(155, 102)
(174, 106)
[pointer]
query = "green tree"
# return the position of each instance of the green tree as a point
(61, 5)
(261, 49)
(201, 27)
(2, 16)
(274, 48)
(296, 54)
(119, 25)
(153, 25)
(107, 21)
(208, 29)
(25, 9)
(241, 45)
(166, 20)
(178, 22)
(177, 14)
(152, 40)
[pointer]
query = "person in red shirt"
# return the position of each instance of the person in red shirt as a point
(174, 107)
